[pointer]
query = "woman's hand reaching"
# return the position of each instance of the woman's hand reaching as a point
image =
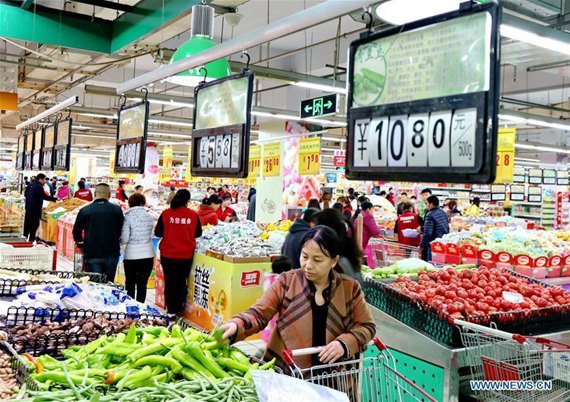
(230, 329)
(331, 352)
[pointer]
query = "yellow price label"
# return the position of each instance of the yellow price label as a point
(254, 160)
(310, 156)
(272, 159)
(505, 160)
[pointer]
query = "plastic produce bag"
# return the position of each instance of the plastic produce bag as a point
(410, 263)
(273, 387)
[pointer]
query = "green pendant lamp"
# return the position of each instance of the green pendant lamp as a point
(200, 40)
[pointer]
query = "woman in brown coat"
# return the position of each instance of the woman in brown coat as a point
(316, 306)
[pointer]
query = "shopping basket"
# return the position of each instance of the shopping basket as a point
(382, 252)
(515, 367)
(365, 379)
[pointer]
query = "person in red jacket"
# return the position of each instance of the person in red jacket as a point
(121, 194)
(179, 227)
(207, 211)
(225, 212)
(83, 193)
(408, 220)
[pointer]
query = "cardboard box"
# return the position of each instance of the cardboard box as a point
(245, 260)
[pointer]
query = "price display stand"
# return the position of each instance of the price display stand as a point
(222, 120)
(36, 153)
(132, 127)
(29, 150)
(429, 114)
(47, 147)
(62, 148)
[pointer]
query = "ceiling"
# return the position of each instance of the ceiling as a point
(47, 73)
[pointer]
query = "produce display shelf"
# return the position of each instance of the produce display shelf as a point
(528, 216)
(538, 204)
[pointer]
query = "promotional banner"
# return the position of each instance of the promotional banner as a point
(506, 155)
(166, 170)
(271, 159)
(254, 161)
(310, 156)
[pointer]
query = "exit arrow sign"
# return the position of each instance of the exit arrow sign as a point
(321, 106)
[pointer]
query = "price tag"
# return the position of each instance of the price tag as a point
(439, 142)
(218, 154)
(271, 159)
(339, 158)
(463, 132)
(498, 192)
(535, 194)
(535, 176)
(417, 144)
(129, 155)
(517, 193)
(513, 297)
(562, 178)
(235, 147)
(254, 160)
(549, 176)
(519, 175)
(203, 146)
(310, 156)
(378, 136)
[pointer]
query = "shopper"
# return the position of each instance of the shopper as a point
(139, 253)
(451, 209)
(97, 231)
(316, 305)
(179, 227)
(210, 191)
(26, 181)
(51, 189)
(391, 196)
(436, 225)
(53, 182)
(252, 191)
(171, 195)
(35, 196)
(414, 201)
(474, 208)
(121, 194)
(292, 245)
(406, 226)
(314, 203)
(223, 191)
(369, 227)
(346, 207)
(400, 206)
(207, 210)
(139, 189)
(353, 197)
(422, 206)
(225, 212)
(359, 202)
(251, 209)
(64, 192)
(86, 184)
(82, 193)
(326, 200)
(350, 255)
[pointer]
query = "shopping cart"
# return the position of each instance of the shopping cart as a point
(382, 252)
(499, 357)
(366, 379)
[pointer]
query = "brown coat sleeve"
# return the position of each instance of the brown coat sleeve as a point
(258, 316)
(363, 328)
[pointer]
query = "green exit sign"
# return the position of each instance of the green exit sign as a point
(321, 106)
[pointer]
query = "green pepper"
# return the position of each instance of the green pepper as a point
(237, 355)
(147, 338)
(94, 345)
(132, 334)
(98, 361)
(119, 349)
(268, 365)
(154, 348)
(136, 378)
(155, 379)
(164, 334)
(190, 374)
(189, 361)
(155, 360)
(91, 372)
(176, 331)
(232, 364)
(210, 345)
(60, 378)
(119, 338)
(154, 331)
(49, 363)
(194, 350)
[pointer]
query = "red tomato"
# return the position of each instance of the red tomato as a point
(482, 283)
(506, 305)
(502, 280)
(444, 276)
(459, 306)
(450, 294)
(462, 293)
(561, 300)
(541, 302)
(483, 307)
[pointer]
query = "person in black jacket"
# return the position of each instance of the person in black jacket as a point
(97, 231)
(292, 245)
(35, 196)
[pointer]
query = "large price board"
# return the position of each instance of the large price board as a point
(20, 152)
(221, 134)
(130, 148)
(62, 148)
(37, 152)
(47, 147)
(29, 150)
(423, 100)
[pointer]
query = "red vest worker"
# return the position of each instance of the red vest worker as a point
(408, 220)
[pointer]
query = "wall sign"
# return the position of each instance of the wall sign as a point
(534, 194)
(309, 156)
(47, 148)
(62, 148)
(535, 176)
(321, 106)
(339, 158)
(271, 159)
(222, 120)
(562, 178)
(431, 112)
(20, 154)
(519, 175)
(132, 126)
(517, 193)
(498, 192)
(549, 176)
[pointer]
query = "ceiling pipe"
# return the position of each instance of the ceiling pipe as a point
(304, 19)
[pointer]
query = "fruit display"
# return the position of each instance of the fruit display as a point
(164, 364)
(480, 291)
(66, 205)
(483, 223)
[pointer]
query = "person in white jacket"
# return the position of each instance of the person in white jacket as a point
(139, 253)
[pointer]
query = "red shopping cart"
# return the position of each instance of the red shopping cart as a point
(383, 252)
(510, 367)
(366, 379)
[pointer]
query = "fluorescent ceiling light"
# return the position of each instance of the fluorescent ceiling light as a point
(174, 135)
(541, 148)
(531, 38)
(320, 87)
(168, 103)
(295, 118)
(327, 122)
(52, 110)
(330, 149)
(172, 123)
(335, 139)
(400, 12)
(104, 116)
(533, 122)
(517, 159)
(108, 137)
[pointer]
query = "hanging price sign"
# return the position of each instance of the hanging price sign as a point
(498, 192)
(535, 176)
(549, 176)
(505, 159)
(517, 193)
(534, 194)
(519, 175)
(310, 156)
(165, 171)
(271, 159)
(562, 178)
(254, 160)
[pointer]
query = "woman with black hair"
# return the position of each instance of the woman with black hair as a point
(314, 203)
(369, 227)
(350, 256)
(179, 227)
(207, 210)
(121, 194)
(316, 305)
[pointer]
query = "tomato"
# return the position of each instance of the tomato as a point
(540, 302)
(556, 291)
(493, 309)
(513, 279)
(502, 280)
(444, 276)
(483, 307)
(430, 293)
(473, 294)
(451, 272)
(450, 294)
(459, 306)
(469, 309)
(525, 305)
(482, 283)
(489, 300)
(423, 277)
(506, 305)
(462, 293)
(437, 304)
(561, 300)
(440, 290)
(513, 286)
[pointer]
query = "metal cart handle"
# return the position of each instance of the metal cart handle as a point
(491, 331)
(288, 354)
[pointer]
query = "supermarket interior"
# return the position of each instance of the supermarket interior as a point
(244, 200)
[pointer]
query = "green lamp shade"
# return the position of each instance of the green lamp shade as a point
(216, 69)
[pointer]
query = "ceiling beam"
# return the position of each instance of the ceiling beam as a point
(106, 4)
